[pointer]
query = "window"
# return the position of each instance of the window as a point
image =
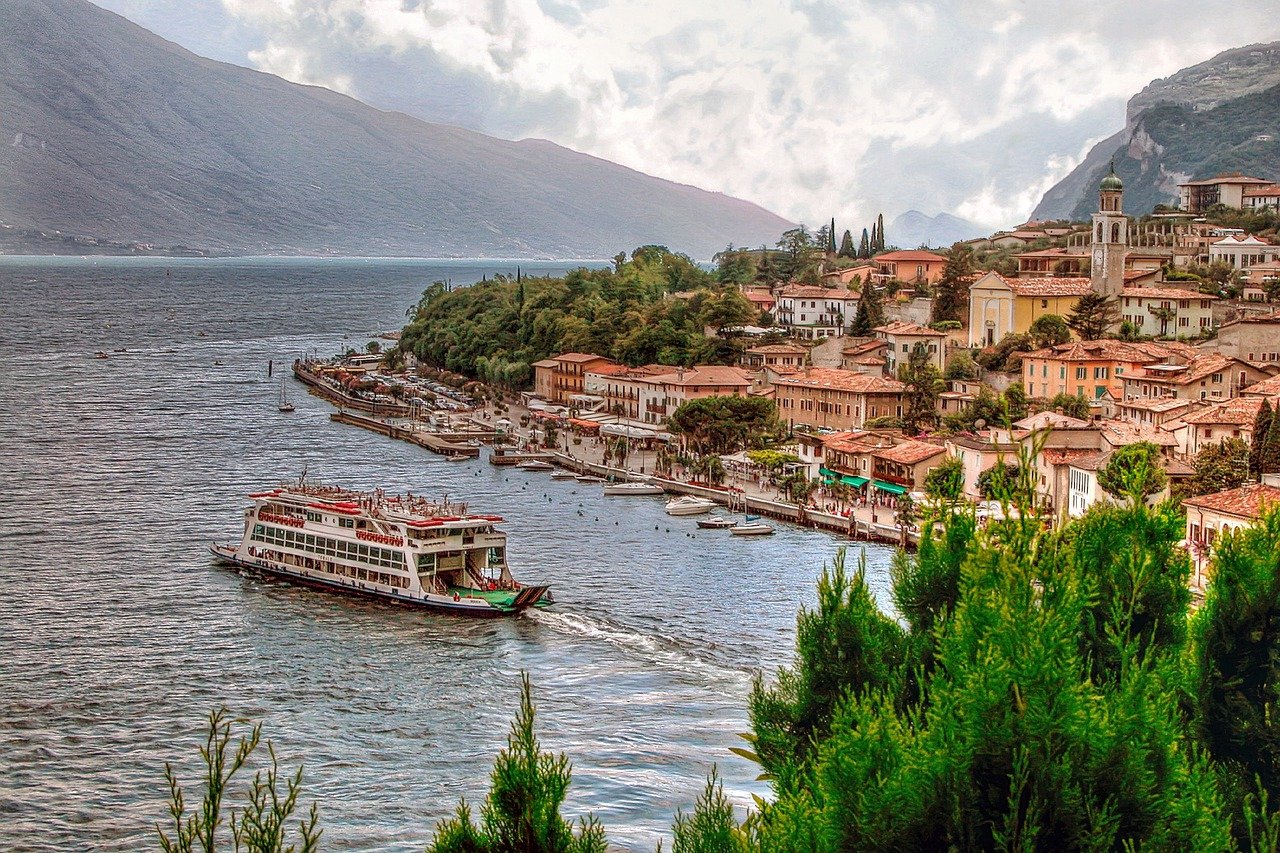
(1062, 372)
(1044, 303)
(1099, 373)
(1081, 372)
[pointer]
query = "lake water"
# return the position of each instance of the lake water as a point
(118, 634)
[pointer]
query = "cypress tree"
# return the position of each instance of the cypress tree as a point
(875, 239)
(864, 248)
(846, 246)
(880, 231)
(831, 237)
(1269, 463)
(1261, 425)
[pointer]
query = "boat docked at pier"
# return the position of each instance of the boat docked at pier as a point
(405, 549)
(689, 505)
(632, 488)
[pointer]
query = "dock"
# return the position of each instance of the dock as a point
(431, 441)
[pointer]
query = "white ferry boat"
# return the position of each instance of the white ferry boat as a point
(405, 549)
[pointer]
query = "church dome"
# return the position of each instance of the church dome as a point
(1111, 182)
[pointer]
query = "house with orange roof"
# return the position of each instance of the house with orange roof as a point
(836, 399)
(1167, 311)
(913, 266)
(856, 274)
(1091, 369)
(662, 394)
(902, 468)
(762, 299)
(1261, 197)
(560, 377)
(865, 356)
(1205, 376)
(1229, 419)
(1243, 251)
(1209, 516)
(1058, 260)
(901, 338)
(999, 306)
(813, 313)
(619, 386)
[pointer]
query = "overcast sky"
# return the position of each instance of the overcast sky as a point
(810, 108)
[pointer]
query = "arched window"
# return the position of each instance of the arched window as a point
(1115, 232)
(1099, 232)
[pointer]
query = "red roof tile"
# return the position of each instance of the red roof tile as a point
(1245, 501)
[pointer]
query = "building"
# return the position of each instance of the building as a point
(1253, 337)
(763, 300)
(1156, 412)
(1199, 196)
(1208, 516)
(1167, 311)
(1205, 376)
(663, 394)
(825, 397)
(816, 312)
(858, 273)
(1059, 260)
(774, 355)
(1228, 419)
(914, 266)
(620, 386)
(1243, 251)
(1091, 368)
(903, 467)
(865, 356)
(901, 338)
(1110, 238)
(558, 378)
(999, 306)
(1261, 197)
(979, 452)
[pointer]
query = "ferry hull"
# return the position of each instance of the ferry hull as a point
(527, 598)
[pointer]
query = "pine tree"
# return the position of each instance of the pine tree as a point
(864, 248)
(846, 246)
(951, 296)
(870, 312)
(924, 384)
(1093, 316)
(1261, 425)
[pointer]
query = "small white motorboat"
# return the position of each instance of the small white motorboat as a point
(564, 475)
(456, 457)
(535, 465)
(589, 478)
(715, 522)
(751, 528)
(632, 489)
(689, 505)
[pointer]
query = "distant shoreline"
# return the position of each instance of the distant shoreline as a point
(231, 259)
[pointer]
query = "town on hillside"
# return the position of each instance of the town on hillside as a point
(1059, 355)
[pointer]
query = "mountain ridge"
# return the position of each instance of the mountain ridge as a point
(1201, 120)
(120, 135)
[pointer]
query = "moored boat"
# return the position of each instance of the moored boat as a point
(535, 465)
(689, 505)
(632, 489)
(589, 478)
(564, 475)
(715, 522)
(409, 550)
(751, 526)
(285, 405)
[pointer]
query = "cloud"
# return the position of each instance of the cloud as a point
(808, 107)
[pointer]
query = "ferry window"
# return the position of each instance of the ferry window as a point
(257, 530)
(311, 540)
(363, 575)
(313, 516)
(347, 522)
(364, 551)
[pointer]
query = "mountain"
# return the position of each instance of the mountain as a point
(113, 133)
(913, 229)
(1210, 118)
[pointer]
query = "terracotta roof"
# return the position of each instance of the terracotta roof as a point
(1196, 368)
(1225, 179)
(1067, 455)
(1245, 501)
(864, 347)
(1178, 468)
(903, 328)
(1240, 411)
(1266, 388)
(1156, 404)
(1051, 286)
(1091, 461)
(809, 291)
(909, 255)
(843, 380)
(778, 349)
(1270, 189)
(1056, 252)
(756, 296)
(577, 357)
(704, 374)
(1119, 433)
(546, 362)
(871, 360)
(1053, 420)
(1164, 293)
(910, 452)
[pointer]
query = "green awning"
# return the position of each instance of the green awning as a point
(830, 477)
(892, 488)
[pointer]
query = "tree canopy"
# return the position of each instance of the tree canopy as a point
(1093, 316)
(725, 424)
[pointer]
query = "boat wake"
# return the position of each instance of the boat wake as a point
(653, 648)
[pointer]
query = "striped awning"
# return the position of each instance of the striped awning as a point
(891, 488)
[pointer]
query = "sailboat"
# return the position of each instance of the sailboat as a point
(285, 405)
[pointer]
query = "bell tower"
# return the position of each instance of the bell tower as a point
(1110, 238)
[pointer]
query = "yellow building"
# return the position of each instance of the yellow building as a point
(999, 306)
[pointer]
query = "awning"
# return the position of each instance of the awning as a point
(581, 424)
(848, 479)
(892, 488)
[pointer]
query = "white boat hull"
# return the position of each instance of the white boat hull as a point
(632, 489)
(751, 530)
